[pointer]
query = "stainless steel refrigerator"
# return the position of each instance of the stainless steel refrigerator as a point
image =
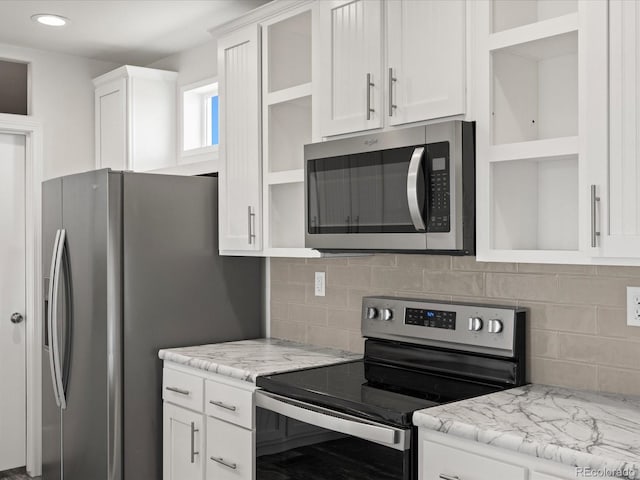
(131, 266)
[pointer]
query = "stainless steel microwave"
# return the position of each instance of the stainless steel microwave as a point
(406, 190)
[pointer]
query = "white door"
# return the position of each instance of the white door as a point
(183, 444)
(350, 73)
(12, 301)
(426, 59)
(241, 174)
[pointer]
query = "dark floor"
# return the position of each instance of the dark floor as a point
(15, 474)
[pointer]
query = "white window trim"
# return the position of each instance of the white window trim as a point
(201, 153)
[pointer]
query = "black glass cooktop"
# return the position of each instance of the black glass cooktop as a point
(344, 387)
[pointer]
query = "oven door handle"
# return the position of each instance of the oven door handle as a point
(328, 419)
(413, 178)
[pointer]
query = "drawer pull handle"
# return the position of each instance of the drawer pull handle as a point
(444, 476)
(223, 405)
(222, 461)
(193, 442)
(179, 390)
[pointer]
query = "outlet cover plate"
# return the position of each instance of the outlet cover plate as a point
(319, 284)
(633, 306)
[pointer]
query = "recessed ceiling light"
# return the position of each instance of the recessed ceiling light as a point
(50, 19)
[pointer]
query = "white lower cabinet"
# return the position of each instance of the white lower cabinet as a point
(230, 451)
(447, 457)
(209, 427)
(183, 443)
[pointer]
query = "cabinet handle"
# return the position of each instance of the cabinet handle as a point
(392, 80)
(595, 199)
(193, 442)
(178, 390)
(369, 85)
(222, 461)
(223, 405)
(251, 217)
(444, 476)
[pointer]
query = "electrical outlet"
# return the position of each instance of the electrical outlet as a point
(633, 306)
(320, 277)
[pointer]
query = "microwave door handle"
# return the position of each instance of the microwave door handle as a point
(413, 177)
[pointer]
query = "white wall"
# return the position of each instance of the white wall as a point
(193, 65)
(62, 99)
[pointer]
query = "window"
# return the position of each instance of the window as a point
(200, 104)
(13, 87)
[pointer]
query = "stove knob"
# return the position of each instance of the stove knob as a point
(372, 313)
(387, 314)
(475, 324)
(495, 326)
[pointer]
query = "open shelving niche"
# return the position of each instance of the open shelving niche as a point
(533, 150)
(287, 127)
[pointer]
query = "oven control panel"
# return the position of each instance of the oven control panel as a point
(491, 329)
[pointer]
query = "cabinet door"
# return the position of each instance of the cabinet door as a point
(620, 222)
(350, 68)
(230, 451)
(111, 125)
(240, 176)
(426, 59)
(439, 461)
(183, 444)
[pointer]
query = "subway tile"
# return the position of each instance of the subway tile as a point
(521, 287)
(278, 311)
(542, 343)
(566, 318)
(344, 319)
(279, 272)
(294, 331)
(356, 342)
(508, 302)
(334, 296)
(438, 297)
(349, 276)
(454, 283)
(605, 291)
(428, 262)
(302, 273)
(553, 268)
(396, 278)
(471, 264)
(381, 260)
(309, 314)
(329, 260)
(599, 350)
(563, 373)
(618, 380)
(612, 322)
(618, 271)
(328, 337)
(287, 293)
(355, 296)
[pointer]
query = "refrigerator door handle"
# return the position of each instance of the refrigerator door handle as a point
(50, 306)
(53, 305)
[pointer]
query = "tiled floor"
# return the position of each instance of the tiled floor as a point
(15, 474)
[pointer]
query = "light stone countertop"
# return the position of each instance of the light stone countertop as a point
(248, 359)
(581, 429)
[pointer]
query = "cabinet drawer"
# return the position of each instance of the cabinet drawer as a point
(229, 403)
(230, 451)
(182, 389)
(440, 461)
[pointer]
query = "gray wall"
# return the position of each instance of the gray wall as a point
(577, 328)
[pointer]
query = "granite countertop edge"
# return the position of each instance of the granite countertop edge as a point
(522, 443)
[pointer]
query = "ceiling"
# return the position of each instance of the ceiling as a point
(136, 32)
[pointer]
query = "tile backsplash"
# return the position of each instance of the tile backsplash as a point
(577, 332)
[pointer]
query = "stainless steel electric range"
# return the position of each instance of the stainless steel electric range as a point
(352, 421)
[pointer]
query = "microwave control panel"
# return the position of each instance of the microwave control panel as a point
(439, 209)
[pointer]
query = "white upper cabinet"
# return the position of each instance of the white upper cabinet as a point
(424, 75)
(351, 75)
(135, 119)
(425, 59)
(240, 149)
(617, 181)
